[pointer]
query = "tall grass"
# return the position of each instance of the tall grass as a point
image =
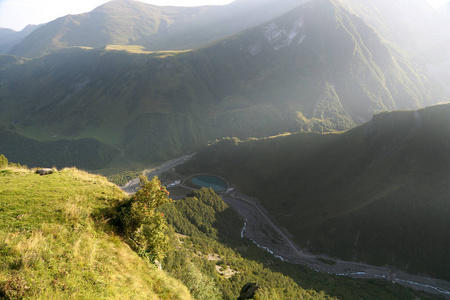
(52, 248)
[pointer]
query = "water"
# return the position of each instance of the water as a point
(208, 181)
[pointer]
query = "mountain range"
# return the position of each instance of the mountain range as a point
(9, 38)
(292, 98)
(317, 67)
(129, 22)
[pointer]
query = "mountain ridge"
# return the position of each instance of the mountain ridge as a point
(157, 28)
(311, 70)
(9, 37)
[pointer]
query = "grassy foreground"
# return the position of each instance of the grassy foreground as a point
(52, 248)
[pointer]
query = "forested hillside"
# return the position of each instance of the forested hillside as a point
(377, 193)
(211, 246)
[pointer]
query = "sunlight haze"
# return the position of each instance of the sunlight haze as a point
(16, 14)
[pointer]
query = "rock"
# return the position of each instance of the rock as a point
(44, 171)
(248, 291)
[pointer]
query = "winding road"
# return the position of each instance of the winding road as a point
(133, 185)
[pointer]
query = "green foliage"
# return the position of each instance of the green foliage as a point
(3, 161)
(222, 246)
(141, 223)
(213, 234)
(123, 178)
(201, 285)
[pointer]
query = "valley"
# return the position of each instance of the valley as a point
(344, 191)
(322, 125)
(262, 230)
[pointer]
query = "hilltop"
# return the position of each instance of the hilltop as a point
(53, 248)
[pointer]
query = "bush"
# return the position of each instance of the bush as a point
(143, 227)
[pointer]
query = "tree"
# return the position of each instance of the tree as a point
(142, 224)
(3, 161)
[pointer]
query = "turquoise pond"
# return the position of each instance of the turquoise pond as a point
(208, 181)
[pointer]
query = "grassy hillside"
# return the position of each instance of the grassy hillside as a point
(52, 248)
(377, 193)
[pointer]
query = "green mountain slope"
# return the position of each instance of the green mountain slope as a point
(377, 193)
(317, 68)
(52, 247)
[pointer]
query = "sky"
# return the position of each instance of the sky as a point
(16, 14)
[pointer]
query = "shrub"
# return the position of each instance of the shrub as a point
(143, 227)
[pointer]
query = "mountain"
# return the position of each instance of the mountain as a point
(117, 22)
(413, 25)
(128, 22)
(9, 37)
(414, 28)
(378, 193)
(317, 68)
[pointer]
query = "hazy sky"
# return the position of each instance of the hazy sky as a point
(16, 14)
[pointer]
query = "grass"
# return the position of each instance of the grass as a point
(53, 246)
(138, 49)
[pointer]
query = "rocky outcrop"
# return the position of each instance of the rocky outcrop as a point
(44, 171)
